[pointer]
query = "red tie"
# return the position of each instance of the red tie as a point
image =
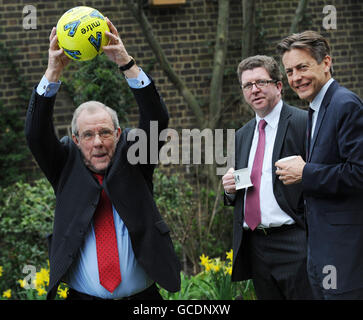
(106, 242)
(252, 208)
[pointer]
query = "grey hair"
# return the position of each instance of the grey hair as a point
(92, 106)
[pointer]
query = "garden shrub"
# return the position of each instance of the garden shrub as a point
(26, 217)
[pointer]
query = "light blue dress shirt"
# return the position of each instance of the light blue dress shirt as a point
(83, 274)
(49, 89)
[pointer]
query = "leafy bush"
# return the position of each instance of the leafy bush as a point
(26, 214)
(12, 141)
(99, 79)
(212, 283)
(197, 218)
(26, 217)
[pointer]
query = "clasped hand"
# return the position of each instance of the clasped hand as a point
(290, 171)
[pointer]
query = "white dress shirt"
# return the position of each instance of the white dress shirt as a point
(271, 213)
(316, 103)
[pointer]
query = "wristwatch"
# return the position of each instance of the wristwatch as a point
(128, 65)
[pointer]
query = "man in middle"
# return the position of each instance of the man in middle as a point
(269, 236)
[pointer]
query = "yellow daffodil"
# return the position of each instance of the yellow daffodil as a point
(44, 274)
(62, 292)
(1, 271)
(22, 283)
(216, 268)
(228, 270)
(38, 282)
(41, 278)
(41, 291)
(230, 255)
(7, 294)
(208, 267)
(204, 260)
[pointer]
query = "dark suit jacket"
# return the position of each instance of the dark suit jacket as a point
(333, 188)
(77, 192)
(290, 140)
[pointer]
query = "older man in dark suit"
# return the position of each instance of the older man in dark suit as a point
(332, 176)
(269, 238)
(109, 240)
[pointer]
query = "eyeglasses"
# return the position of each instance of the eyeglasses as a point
(258, 83)
(104, 134)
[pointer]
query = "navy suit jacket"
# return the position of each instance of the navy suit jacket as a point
(333, 188)
(129, 188)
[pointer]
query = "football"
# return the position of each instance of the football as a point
(81, 33)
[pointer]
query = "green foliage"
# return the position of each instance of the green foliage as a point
(197, 218)
(12, 139)
(99, 79)
(213, 283)
(26, 214)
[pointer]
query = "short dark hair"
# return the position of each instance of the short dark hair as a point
(313, 42)
(265, 62)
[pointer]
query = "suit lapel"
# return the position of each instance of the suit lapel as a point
(280, 136)
(321, 115)
(246, 145)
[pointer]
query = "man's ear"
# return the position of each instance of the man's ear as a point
(279, 86)
(75, 139)
(118, 134)
(328, 62)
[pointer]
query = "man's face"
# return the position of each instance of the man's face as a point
(262, 99)
(97, 139)
(305, 76)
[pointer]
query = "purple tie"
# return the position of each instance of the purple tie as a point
(252, 208)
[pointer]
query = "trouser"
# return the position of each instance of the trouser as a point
(151, 293)
(278, 258)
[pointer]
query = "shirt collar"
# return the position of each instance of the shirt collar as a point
(316, 103)
(273, 117)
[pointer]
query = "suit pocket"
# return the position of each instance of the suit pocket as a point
(162, 227)
(345, 218)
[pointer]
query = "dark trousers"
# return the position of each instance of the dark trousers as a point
(151, 293)
(279, 263)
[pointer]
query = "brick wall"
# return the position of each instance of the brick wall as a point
(186, 33)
